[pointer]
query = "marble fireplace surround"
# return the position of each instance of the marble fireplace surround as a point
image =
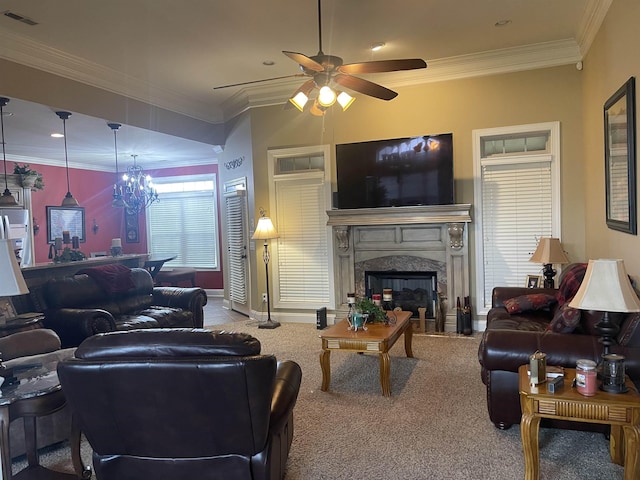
(421, 238)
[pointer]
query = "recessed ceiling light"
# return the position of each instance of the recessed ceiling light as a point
(57, 135)
(377, 46)
(269, 63)
(502, 23)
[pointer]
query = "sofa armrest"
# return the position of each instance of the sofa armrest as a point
(507, 350)
(73, 325)
(500, 294)
(192, 298)
(285, 394)
(30, 342)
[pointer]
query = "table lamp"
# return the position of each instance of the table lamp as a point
(266, 231)
(606, 288)
(549, 251)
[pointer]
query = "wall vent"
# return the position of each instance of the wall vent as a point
(19, 18)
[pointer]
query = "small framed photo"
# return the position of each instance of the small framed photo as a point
(534, 281)
(7, 311)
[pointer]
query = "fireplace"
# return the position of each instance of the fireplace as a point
(408, 243)
(408, 290)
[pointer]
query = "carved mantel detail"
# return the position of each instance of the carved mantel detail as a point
(342, 236)
(456, 235)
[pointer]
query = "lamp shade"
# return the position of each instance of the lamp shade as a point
(606, 288)
(549, 251)
(264, 230)
(11, 279)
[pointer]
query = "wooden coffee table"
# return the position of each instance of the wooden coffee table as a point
(620, 410)
(378, 338)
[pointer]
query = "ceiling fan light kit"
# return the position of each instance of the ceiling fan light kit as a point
(327, 70)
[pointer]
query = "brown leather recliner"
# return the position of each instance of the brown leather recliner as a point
(182, 403)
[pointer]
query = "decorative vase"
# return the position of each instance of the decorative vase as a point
(28, 181)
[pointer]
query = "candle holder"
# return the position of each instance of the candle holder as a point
(613, 374)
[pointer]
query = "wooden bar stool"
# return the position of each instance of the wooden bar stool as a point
(175, 276)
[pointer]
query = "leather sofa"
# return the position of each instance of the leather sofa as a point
(182, 403)
(85, 304)
(26, 348)
(511, 338)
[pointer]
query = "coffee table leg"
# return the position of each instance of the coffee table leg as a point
(408, 338)
(385, 374)
(325, 365)
(631, 456)
(529, 426)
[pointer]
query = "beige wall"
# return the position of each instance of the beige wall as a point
(552, 94)
(613, 58)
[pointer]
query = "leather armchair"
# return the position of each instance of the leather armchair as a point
(182, 403)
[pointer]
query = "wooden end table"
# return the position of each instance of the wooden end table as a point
(620, 410)
(22, 323)
(378, 338)
(37, 393)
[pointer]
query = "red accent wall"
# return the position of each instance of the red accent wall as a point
(94, 191)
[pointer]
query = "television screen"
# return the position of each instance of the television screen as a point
(395, 173)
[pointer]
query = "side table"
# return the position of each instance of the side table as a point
(38, 393)
(621, 411)
(26, 321)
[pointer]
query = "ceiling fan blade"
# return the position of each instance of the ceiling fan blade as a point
(305, 61)
(365, 86)
(259, 81)
(379, 66)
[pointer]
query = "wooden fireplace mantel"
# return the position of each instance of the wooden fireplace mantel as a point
(455, 213)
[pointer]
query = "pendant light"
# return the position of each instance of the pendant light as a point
(117, 202)
(68, 200)
(6, 200)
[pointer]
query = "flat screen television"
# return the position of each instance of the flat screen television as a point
(395, 173)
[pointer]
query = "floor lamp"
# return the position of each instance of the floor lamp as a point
(266, 231)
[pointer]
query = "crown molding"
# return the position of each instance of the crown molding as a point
(494, 62)
(595, 13)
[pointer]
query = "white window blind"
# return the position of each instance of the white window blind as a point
(516, 210)
(303, 253)
(184, 223)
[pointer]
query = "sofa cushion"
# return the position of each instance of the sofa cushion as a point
(565, 320)
(528, 303)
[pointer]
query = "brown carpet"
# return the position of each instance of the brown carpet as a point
(434, 426)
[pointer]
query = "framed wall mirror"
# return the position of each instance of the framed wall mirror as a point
(620, 158)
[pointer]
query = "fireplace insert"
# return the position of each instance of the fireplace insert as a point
(410, 290)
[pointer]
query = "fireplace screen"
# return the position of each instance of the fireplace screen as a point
(411, 290)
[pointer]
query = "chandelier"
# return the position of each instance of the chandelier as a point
(138, 191)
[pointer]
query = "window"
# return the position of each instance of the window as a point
(517, 201)
(185, 221)
(300, 198)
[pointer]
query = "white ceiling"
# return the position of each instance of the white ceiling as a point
(171, 54)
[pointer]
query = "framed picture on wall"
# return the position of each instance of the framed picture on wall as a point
(131, 225)
(620, 158)
(65, 219)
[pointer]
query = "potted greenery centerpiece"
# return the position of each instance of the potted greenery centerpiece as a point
(366, 305)
(28, 178)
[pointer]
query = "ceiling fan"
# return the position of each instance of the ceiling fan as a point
(327, 69)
